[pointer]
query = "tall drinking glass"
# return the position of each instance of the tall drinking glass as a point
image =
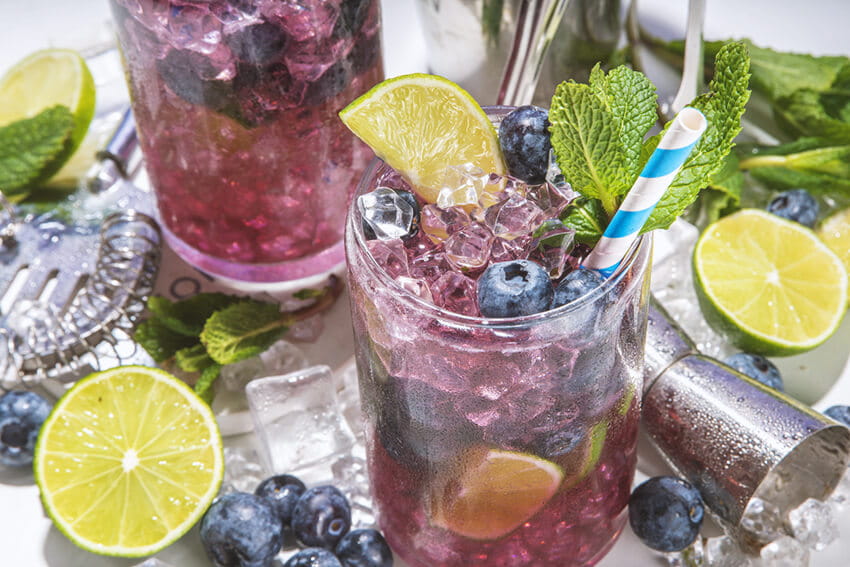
(236, 106)
(496, 441)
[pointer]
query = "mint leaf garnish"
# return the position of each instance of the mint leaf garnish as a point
(723, 107)
(804, 113)
(193, 358)
(204, 385)
(587, 218)
(28, 146)
(596, 130)
(243, 329)
(814, 163)
(160, 342)
(188, 316)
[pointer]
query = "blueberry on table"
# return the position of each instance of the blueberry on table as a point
(574, 285)
(321, 517)
(797, 205)
(666, 513)
(756, 367)
(21, 416)
(513, 289)
(241, 530)
(839, 413)
(364, 548)
(525, 142)
(313, 557)
(283, 491)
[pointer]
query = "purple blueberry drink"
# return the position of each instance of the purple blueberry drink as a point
(236, 106)
(500, 383)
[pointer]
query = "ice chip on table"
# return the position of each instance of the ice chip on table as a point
(511, 217)
(439, 223)
(350, 476)
(307, 330)
(390, 255)
(388, 214)
(723, 551)
(462, 186)
(455, 292)
(762, 520)
(813, 524)
(785, 552)
(691, 556)
(298, 419)
(31, 319)
(469, 248)
(349, 397)
(242, 470)
(280, 358)
(234, 377)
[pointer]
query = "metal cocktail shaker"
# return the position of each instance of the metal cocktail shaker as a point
(730, 436)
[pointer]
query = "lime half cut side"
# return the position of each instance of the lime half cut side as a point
(128, 461)
(769, 284)
(835, 233)
(420, 125)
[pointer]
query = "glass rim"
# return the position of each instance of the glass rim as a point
(638, 249)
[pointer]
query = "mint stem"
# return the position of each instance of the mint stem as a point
(762, 161)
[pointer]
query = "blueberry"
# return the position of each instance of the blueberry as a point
(352, 14)
(313, 557)
(328, 85)
(524, 138)
(258, 44)
(756, 367)
(283, 491)
(840, 414)
(574, 285)
(666, 513)
(21, 416)
(364, 53)
(513, 289)
(796, 205)
(185, 74)
(364, 548)
(241, 530)
(321, 517)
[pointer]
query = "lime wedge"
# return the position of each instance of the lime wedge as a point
(768, 284)
(493, 492)
(835, 233)
(128, 461)
(422, 124)
(47, 78)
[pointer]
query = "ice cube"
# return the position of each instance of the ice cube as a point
(350, 476)
(505, 250)
(813, 524)
(513, 217)
(455, 292)
(691, 556)
(762, 520)
(419, 288)
(242, 470)
(303, 19)
(554, 242)
(429, 266)
(298, 420)
(234, 377)
(349, 397)
(462, 186)
(390, 255)
(195, 28)
(439, 223)
(469, 248)
(283, 357)
(306, 330)
(785, 552)
(389, 215)
(723, 551)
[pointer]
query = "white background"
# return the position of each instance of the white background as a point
(27, 538)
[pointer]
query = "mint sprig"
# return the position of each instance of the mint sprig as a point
(29, 147)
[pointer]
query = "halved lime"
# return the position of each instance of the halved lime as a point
(420, 125)
(44, 79)
(493, 491)
(769, 284)
(835, 233)
(128, 461)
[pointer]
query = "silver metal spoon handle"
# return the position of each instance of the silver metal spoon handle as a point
(113, 161)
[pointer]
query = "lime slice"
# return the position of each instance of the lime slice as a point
(493, 492)
(769, 284)
(421, 124)
(835, 233)
(47, 78)
(128, 461)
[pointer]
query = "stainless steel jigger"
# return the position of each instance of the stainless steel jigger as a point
(730, 436)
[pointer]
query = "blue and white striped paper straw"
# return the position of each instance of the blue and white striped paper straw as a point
(657, 175)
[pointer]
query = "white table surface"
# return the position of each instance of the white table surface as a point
(27, 538)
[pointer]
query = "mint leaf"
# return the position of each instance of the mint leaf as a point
(729, 179)
(723, 107)
(28, 146)
(204, 385)
(587, 218)
(803, 113)
(309, 293)
(188, 316)
(242, 330)
(813, 163)
(590, 130)
(159, 341)
(778, 74)
(193, 358)
(491, 20)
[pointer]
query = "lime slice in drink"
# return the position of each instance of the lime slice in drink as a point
(422, 124)
(493, 491)
(128, 461)
(769, 284)
(835, 233)
(48, 78)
